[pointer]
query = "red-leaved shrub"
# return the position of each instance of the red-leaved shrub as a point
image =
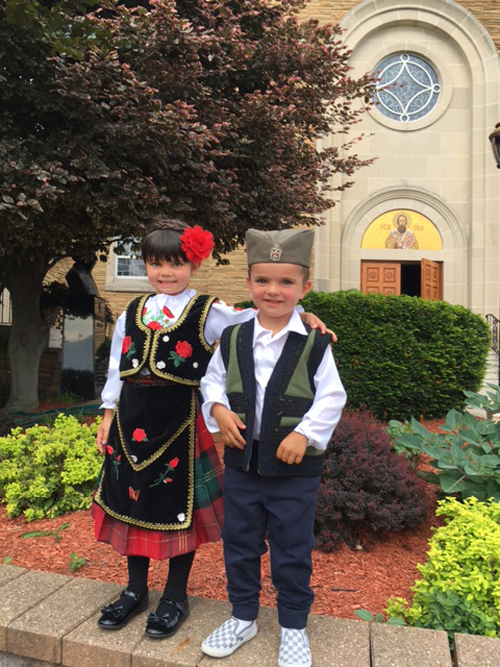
(365, 484)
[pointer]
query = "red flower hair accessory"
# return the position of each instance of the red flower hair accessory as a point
(197, 243)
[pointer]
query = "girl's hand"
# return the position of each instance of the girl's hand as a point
(315, 323)
(229, 426)
(103, 431)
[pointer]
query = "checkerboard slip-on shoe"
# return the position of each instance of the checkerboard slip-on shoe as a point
(227, 638)
(294, 649)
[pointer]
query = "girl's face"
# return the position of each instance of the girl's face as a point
(169, 277)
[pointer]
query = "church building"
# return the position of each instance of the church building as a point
(423, 219)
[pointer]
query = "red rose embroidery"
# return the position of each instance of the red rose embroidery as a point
(167, 312)
(174, 462)
(154, 325)
(183, 349)
(109, 449)
(168, 480)
(144, 311)
(127, 342)
(197, 243)
(139, 435)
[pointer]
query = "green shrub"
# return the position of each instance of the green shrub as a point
(365, 484)
(465, 454)
(45, 472)
(401, 356)
(460, 588)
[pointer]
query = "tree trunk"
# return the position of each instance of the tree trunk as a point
(28, 334)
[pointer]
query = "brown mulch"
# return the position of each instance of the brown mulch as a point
(343, 581)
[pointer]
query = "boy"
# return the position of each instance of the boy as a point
(273, 392)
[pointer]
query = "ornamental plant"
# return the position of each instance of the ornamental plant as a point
(460, 586)
(46, 471)
(400, 356)
(466, 453)
(365, 485)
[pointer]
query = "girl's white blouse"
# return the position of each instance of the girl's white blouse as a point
(219, 317)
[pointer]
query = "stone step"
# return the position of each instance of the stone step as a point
(51, 619)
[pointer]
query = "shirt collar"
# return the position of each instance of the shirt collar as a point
(295, 324)
(175, 298)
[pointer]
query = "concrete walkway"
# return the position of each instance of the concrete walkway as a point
(50, 619)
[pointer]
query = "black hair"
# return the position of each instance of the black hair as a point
(162, 240)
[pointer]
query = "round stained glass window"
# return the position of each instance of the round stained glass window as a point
(408, 87)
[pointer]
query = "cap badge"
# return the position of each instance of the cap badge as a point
(275, 254)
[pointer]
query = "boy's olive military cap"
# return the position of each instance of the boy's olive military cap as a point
(287, 246)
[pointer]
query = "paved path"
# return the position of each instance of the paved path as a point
(50, 619)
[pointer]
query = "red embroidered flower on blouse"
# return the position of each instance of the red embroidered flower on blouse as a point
(155, 325)
(174, 462)
(183, 349)
(167, 312)
(127, 342)
(109, 449)
(197, 243)
(139, 435)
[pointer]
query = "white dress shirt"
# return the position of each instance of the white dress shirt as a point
(318, 423)
(219, 317)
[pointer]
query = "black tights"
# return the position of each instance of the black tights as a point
(178, 574)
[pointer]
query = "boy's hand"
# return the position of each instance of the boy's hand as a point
(315, 323)
(229, 426)
(103, 431)
(292, 448)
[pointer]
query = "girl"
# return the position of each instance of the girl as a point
(159, 495)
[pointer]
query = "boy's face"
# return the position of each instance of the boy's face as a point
(169, 277)
(275, 290)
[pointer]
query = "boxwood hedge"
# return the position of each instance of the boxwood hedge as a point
(402, 356)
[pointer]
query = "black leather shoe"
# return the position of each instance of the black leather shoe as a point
(166, 625)
(118, 614)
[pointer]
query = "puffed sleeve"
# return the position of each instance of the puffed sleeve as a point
(212, 388)
(111, 390)
(222, 315)
(319, 422)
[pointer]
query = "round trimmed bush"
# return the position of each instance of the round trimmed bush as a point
(365, 484)
(402, 356)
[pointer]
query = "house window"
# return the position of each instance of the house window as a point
(5, 308)
(129, 264)
(408, 87)
(125, 271)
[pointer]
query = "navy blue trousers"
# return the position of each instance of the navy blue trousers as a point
(281, 509)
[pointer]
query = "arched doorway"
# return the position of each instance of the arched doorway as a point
(423, 278)
(403, 235)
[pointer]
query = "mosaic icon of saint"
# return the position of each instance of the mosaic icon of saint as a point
(402, 237)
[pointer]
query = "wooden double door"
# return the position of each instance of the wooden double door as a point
(423, 279)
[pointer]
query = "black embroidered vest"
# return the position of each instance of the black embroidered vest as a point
(289, 395)
(178, 353)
